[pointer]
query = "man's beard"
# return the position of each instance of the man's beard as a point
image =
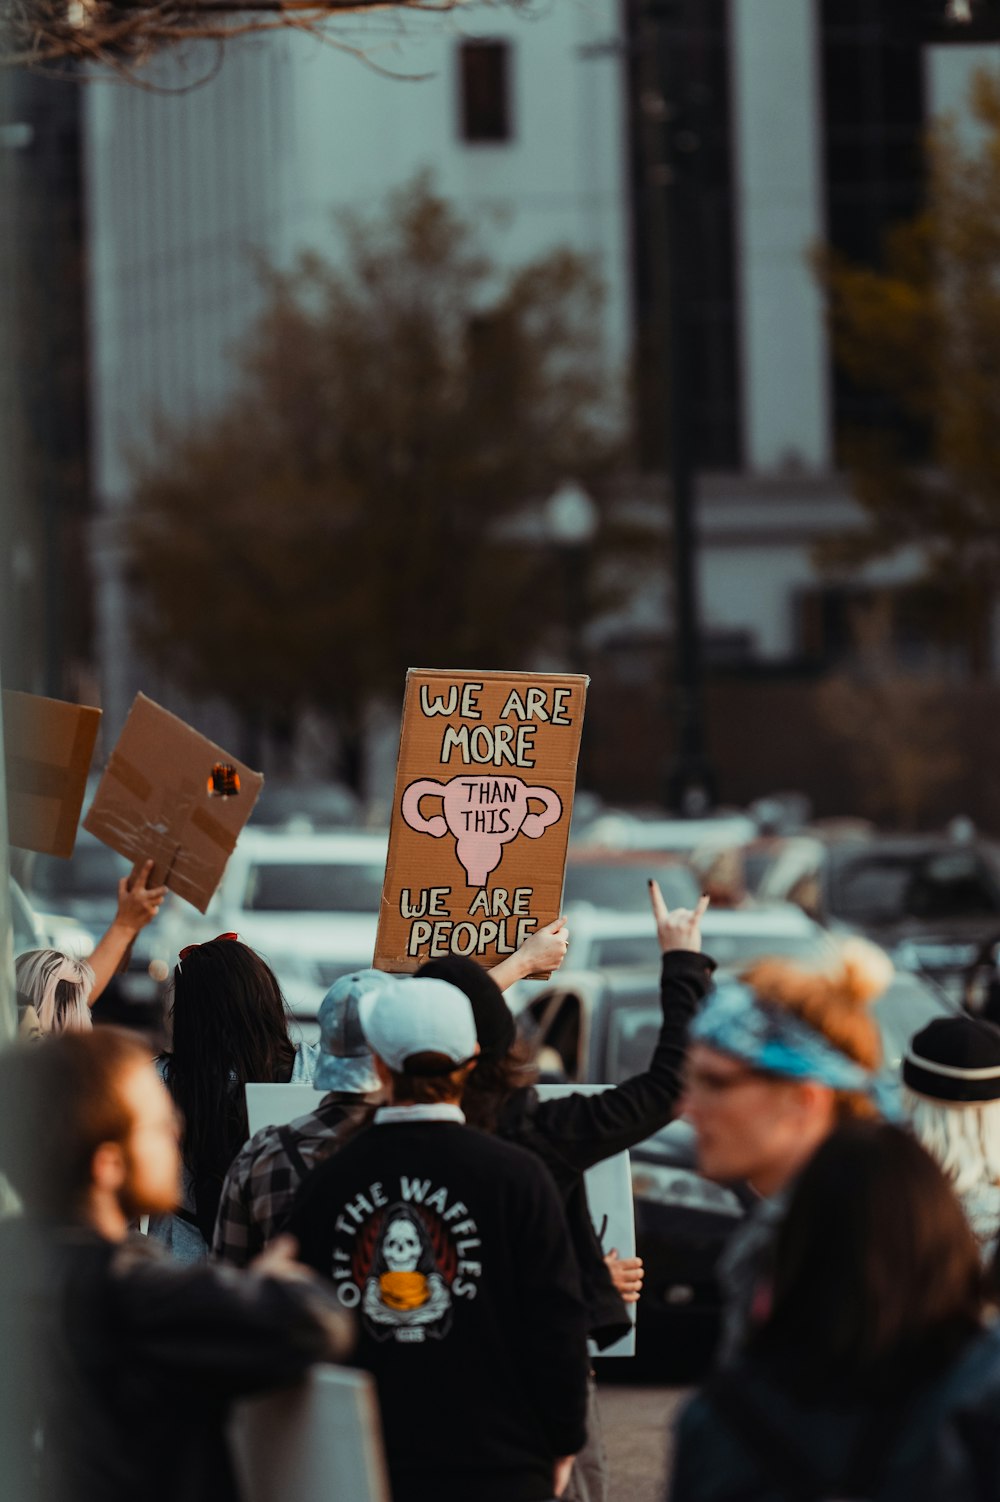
(135, 1199)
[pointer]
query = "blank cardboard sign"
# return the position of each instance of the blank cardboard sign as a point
(48, 746)
(174, 797)
(481, 815)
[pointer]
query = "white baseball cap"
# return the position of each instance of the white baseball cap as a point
(406, 1017)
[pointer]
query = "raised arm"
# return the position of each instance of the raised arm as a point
(589, 1128)
(138, 904)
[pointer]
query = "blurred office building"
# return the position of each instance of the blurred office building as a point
(807, 126)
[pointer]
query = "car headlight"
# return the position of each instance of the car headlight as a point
(683, 1190)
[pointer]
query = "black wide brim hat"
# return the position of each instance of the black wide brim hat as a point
(955, 1060)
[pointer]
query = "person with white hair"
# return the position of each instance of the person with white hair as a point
(951, 1093)
(61, 988)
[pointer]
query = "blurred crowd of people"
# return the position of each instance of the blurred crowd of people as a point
(427, 1220)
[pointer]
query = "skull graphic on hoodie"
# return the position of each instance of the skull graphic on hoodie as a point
(405, 1290)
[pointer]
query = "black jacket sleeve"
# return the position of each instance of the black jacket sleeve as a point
(553, 1317)
(590, 1128)
(222, 1332)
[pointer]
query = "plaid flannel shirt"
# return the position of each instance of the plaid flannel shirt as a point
(266, 1174)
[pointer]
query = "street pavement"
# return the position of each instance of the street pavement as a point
(637, 1424)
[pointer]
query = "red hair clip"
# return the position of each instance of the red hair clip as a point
(190, 948)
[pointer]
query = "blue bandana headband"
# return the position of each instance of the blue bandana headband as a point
(774, 1040)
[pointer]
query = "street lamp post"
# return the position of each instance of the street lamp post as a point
(570, 525)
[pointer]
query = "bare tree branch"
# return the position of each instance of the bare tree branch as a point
(122, 36)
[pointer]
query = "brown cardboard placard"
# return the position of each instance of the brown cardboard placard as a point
(481, 814)
(156, 801)
(48, 746)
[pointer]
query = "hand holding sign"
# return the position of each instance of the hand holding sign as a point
(138, 904)
(546, 949)
(680, 928)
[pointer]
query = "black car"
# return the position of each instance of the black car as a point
(602, 1027)
(931, 901)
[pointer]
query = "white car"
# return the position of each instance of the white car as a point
(308, 903)
(602, 940)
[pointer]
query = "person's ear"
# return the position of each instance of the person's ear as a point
(815, 1100)
(107, 1167)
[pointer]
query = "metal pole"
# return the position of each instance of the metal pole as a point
(668, 107)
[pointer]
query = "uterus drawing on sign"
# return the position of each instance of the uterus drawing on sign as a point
(484, 814)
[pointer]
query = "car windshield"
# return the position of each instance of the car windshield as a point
(314, 887)
(886, 888)
(623, 887)
(729, 949)
(633, 1029)
(92, 871)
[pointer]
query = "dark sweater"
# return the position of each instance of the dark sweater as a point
(128, 1362)
(454, 1251)
(573, 1133)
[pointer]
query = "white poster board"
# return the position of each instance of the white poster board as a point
(609, 1199)
(276, 1105)
(312, 1442)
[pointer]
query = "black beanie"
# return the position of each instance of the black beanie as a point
(495, 1026)
(955, 1059)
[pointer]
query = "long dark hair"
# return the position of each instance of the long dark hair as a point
(230, 1028)
(877, 1281)
(492, 1083)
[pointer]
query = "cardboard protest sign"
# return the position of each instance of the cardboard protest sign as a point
(481, 815)
(611, 1205)
(174, 797)
(48, 746)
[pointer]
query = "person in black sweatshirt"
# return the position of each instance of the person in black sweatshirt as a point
(452, 1249)
(572, 1133)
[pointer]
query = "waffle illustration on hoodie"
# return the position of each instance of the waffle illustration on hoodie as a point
(402, 1263)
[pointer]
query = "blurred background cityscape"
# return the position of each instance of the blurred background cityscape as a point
(595, 334)
(657, 340)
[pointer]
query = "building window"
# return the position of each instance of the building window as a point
(484, 92)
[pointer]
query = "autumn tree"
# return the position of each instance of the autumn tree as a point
(369, 498)
(924, 330)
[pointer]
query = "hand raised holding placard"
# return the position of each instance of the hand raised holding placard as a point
(543, 951)
(679, 928)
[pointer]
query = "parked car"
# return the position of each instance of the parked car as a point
(602, 939)
(629, 831)
(603, 1028)
(931, 901)
(308, 903)
(298, 806)
(616, 880)
(732, 936)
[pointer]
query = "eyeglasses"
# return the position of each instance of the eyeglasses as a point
(715, 1082)
(190, 948)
